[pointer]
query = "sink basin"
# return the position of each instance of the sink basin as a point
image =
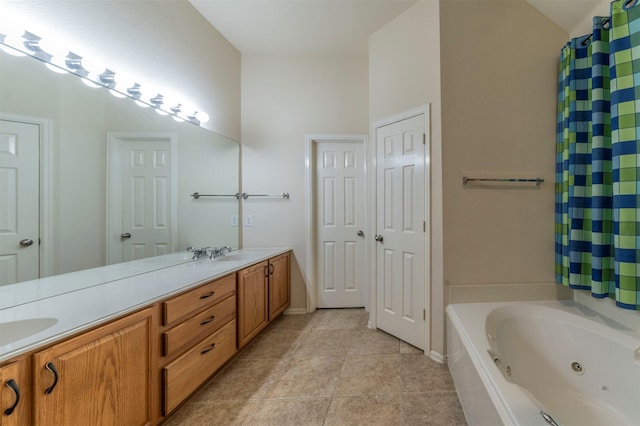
(16, 330)
(228, 258)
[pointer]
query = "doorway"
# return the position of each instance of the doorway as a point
(402, 267)
(141, 196)
(336, 221)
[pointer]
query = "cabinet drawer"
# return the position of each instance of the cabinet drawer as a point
(194, 300)
(189, 371)
(202, 324)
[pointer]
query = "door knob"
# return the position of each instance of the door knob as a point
(360, 233)
(26, 242)
(125, 236)
(379, 238)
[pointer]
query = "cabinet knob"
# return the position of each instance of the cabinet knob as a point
(51, 368)
(14, 387)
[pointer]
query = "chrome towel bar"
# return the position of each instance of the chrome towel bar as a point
(467, 180)
(197, 195)
(237, 196)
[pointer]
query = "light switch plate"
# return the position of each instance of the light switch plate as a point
(248, 220)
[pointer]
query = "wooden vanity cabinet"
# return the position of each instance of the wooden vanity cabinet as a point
(263, 294)
(15, 393)
(279, 287)
(198, 336)
(99, 377)
(253, 301)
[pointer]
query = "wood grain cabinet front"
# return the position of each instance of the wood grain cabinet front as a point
(184, 375)
(101, 377)
(198, 326)
(253, 301)
(263, 294)
(192, 301)
(15, 393)
(279, 288)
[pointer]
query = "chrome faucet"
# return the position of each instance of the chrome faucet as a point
(219, 252)
(198, 252)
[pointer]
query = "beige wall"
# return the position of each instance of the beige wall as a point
(489, 70)
(404, 72)
(166, 43)
(284, 98)
(499, 62)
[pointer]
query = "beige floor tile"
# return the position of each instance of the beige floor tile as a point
(422, 374)
(374, 342)
(372, 365)
(303, 386)
(368, 385)
(433, 408)
(406, 348)
(213, 414)
(340, 319)
(316, 365)
(274, 344)
(364, 410)
(294, 322)
(326, 367)
(326, 342)
(244, 379)
(290, 412)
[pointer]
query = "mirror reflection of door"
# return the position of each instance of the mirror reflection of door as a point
(19, 201)
(141, 201)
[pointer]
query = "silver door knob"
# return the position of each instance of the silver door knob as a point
(379, 238)
(360, 233)
(125, 236)
(26, 242)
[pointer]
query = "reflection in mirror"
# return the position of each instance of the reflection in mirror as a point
(80, 189)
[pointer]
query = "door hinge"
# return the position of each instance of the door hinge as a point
(424, 314)
(424, 139)
(424, 226)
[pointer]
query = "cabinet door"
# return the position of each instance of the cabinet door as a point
(253, 302)
(100, 377)
(15, 393)
(278, 285)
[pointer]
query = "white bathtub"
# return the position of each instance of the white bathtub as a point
(510, 361)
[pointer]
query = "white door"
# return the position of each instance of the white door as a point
(19, 201)
(340, 212)
(401, 230)
(141, 198)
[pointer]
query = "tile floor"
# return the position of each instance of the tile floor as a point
(326, 368)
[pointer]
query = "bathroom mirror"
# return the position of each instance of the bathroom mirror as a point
(78, 122)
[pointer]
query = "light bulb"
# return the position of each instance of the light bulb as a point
(13, 45)
(202, 116)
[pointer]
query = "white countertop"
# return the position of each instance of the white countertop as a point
(78, 310)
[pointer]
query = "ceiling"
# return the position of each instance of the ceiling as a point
(333, 27)
(297, 27)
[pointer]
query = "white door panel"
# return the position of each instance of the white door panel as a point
(142, 210)
(400, 212)
(19, 201)
(340, 194)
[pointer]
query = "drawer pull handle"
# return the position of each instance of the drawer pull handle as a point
(206, 296)
(14, 387)
(210, 348)
(208, 320)
(52, 368)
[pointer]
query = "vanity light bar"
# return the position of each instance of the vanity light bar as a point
(95, 75)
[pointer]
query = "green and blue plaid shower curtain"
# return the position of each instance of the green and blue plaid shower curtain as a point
(597, 159)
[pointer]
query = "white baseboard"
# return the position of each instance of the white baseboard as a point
(437, 356)
(295, 311)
